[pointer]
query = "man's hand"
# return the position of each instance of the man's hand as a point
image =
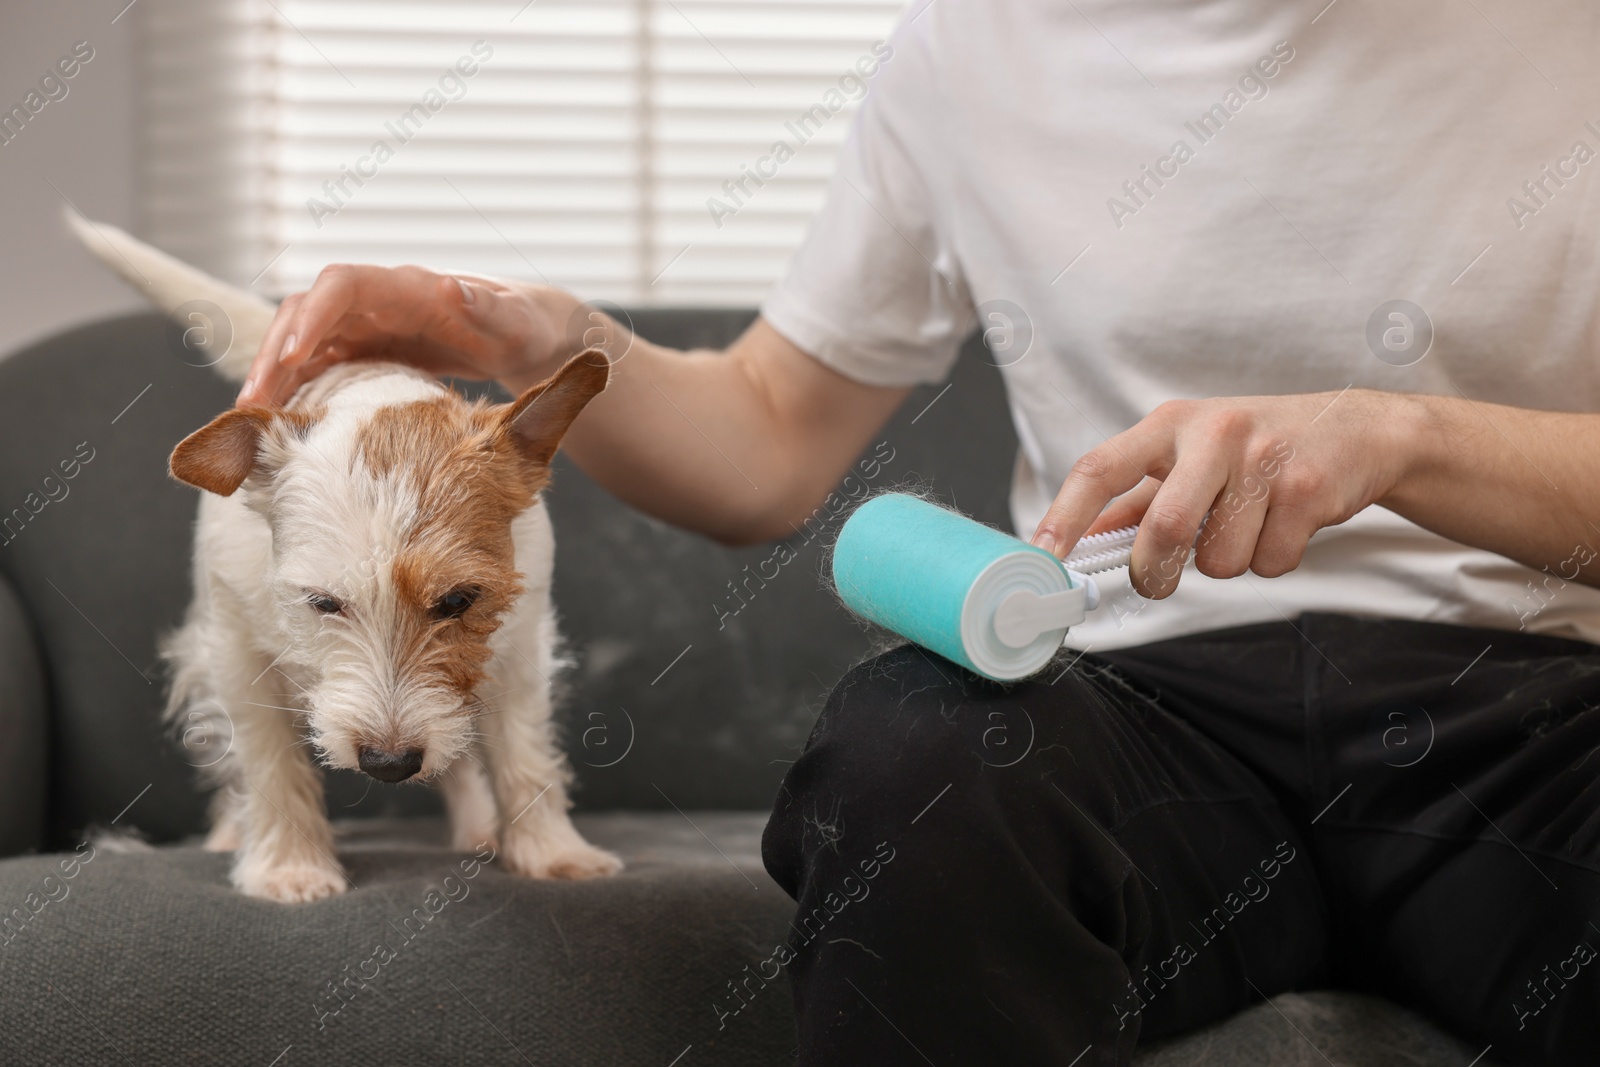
(1241, 482)
(741, 444)
(446, 324)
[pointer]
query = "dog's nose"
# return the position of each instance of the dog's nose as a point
(390, 766)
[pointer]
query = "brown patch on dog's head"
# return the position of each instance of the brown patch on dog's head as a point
(220, 455)
(474, 468)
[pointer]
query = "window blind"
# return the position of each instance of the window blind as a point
(641, 151)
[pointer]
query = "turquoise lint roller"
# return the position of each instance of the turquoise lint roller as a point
(994, 604)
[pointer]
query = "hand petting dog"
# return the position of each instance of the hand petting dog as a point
(464, 326)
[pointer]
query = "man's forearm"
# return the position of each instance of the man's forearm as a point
(738, 445)
(1523, 483)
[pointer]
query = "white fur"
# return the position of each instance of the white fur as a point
(259, 673)
(282, 681)
(170, 284)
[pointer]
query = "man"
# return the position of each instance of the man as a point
(1309, 293)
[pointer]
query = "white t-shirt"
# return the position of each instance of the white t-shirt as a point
(1199, 200)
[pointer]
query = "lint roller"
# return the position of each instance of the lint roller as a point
(998, 606)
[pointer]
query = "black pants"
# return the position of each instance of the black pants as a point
(1140, 842)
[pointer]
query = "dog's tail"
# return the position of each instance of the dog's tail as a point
(222, 321)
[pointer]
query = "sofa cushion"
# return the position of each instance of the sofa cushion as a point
(149, 956)
(1316, 1030)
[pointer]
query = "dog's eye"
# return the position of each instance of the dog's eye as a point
(454, 603)
(324, 604)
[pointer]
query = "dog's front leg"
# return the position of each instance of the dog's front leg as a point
(530, 778)
(286, 847)
(469, 800)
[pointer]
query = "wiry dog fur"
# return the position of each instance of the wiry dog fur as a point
(336, 539)
(417, 516)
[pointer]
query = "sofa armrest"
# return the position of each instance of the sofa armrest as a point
(24, 767)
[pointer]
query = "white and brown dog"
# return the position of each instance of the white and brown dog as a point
(372, 578)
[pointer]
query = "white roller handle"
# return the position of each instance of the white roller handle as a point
(1023, 616)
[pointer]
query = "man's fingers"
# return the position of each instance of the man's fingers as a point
(1126, 510)
(431, 316)
(472, 310)
(258, 384)
(413, 313)
(494, 322)
(1285, 533)
(330, 298)
(1100, 475)
(1167, 531)
(1228, 538)
(289, 379)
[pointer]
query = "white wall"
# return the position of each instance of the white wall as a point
(83, 143)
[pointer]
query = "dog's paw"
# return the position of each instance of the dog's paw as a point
(567, 862)
(576, 864)
(292, 884)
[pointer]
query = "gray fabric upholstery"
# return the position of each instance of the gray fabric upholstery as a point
(22, 730)
(148, 956)
(1314, 1030)
(152, 958)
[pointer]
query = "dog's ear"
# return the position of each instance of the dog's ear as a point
(220, 455)
(538, 419)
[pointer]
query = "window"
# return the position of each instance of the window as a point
(602, 145)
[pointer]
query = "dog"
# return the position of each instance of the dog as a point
(372, 567)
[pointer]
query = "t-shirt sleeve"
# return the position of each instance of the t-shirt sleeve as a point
(875, 291)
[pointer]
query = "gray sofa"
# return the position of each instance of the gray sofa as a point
(121, 942)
